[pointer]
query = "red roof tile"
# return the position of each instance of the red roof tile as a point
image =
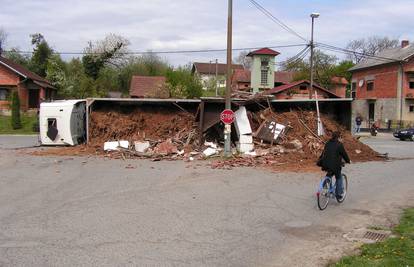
(284, 76)
(25, 73)
(146, 86)
(339, 80)
(284, 87)
(264, 51)
(242, 76)
(207, 68)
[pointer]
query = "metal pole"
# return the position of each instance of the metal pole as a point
(216, 77)
(227, 127)
(311, 61)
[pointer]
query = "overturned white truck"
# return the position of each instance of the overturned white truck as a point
(63, 122)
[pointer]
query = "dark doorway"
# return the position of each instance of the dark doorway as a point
(33, 98)
(371, 111)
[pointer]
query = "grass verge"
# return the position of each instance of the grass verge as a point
(395, 251)
(27, 125)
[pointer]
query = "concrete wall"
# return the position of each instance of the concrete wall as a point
(256, 73)
(385, 110)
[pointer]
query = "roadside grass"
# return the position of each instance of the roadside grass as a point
(27, 125)
(395, 251)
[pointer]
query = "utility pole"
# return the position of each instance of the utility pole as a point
(227, 127)
(216, 77)
(312, 46)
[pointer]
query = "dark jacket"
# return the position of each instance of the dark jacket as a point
(332, 156)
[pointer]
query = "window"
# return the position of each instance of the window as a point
(4, 93)
(411, 108)
(370, 85)
(303, 87)
(263, 77)
(353, 89)
(265, 63)
(411, 83)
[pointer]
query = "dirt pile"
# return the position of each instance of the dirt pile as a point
(168, 134)
(298, 147)
(153, 125)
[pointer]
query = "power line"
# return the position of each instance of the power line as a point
(351, 52)
(276, 20)
(296, 58)
(164, 52)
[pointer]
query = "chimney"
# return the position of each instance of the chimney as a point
(404, 43)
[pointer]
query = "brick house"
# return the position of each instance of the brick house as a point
(32, 88)
(299, 90)
(383, 88)
(339, 86)
(148, 87)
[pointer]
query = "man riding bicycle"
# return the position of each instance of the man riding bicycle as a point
(331, 160)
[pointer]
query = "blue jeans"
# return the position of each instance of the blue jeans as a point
(358, 128)
(338, 181)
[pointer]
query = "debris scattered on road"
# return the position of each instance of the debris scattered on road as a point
(115, 145)
(265, 138)
(142, 146)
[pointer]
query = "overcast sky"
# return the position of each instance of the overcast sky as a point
(190, 24)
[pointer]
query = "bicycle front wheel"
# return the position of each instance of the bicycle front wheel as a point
(323, 195)
(345, 185)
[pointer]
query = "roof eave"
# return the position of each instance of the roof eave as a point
(13, 69)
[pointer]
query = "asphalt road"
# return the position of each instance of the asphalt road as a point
(79, 211)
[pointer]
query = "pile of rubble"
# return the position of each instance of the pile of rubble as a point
(279, 140)
(288, 140)
(150, 133)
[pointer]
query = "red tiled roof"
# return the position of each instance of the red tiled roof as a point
(25, 73)
(284, 87)
(339, 80)
(242, 76)
(207, 68)
(264, 51)
(284, 76)
(146, 86)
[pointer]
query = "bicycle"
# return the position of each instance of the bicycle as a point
(326, 190)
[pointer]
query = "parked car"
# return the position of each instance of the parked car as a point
(405, 134)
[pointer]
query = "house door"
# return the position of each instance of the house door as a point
(33, 98)
(371, 112)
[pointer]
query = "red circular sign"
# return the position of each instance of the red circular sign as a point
(227, 116)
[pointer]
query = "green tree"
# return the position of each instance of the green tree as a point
(78, 84)
(15, 55)
(107, 81)
(56, 72)
(324, 68)
(15, 117)
(109, 51)
(147, 65)
(183, 84)
(41, 54)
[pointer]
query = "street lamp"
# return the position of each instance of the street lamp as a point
(312, 45)
(313, 16)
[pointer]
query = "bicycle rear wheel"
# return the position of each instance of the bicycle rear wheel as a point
(345, 185)
(323, 195)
